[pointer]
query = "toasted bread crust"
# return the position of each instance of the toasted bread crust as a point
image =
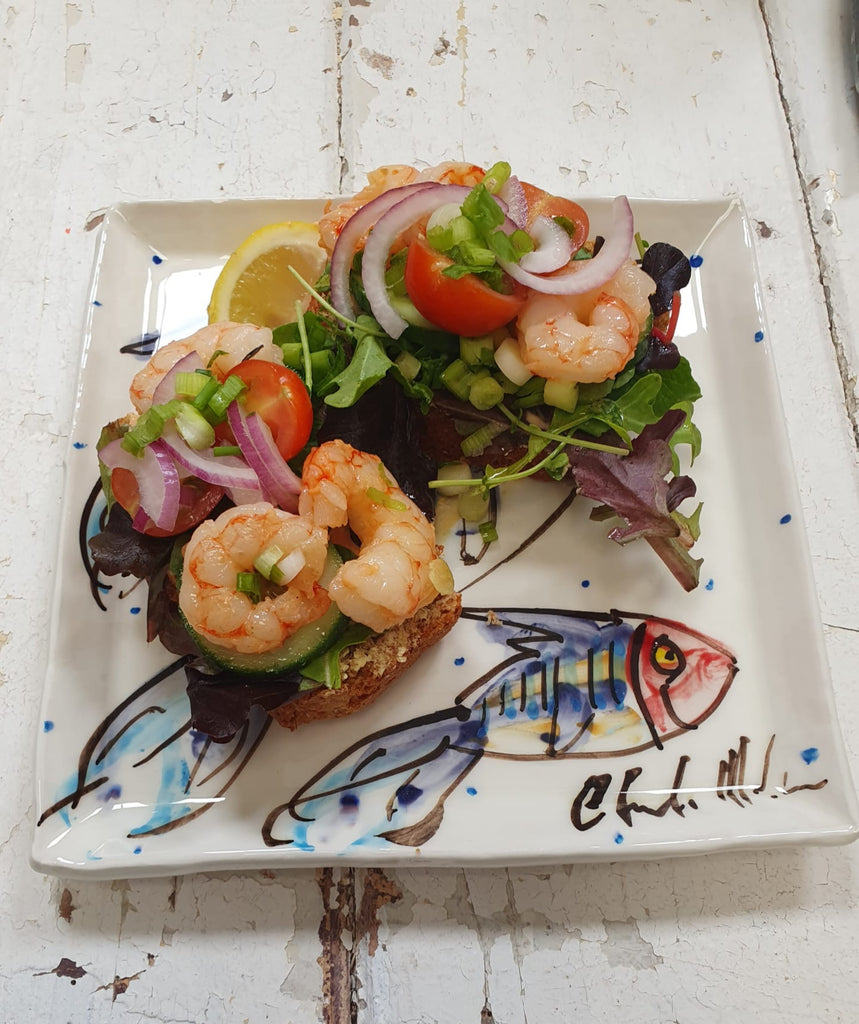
(369, 668)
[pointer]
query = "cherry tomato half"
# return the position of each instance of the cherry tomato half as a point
(281, 399)
(198, 500)
(465, 306)
(542, 204)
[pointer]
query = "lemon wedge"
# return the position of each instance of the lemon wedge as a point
(255, 285)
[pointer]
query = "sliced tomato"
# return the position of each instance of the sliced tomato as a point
(280, 397)
(543, 204)
(198, 500)
(465, 306)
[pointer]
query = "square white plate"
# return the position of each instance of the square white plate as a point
(457, 764)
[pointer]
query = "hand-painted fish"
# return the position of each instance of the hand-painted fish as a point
(573, 685)
(149, 765)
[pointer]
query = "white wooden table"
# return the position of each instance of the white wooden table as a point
(108, 101)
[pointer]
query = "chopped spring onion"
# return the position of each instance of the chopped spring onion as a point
(457, 231)
(453, 471)
(189, 385)
(473, 506)
(226, 449)
(265, 562)
(510, 363)
(479, 351)
(457, 378)
(149, 427)
(226, 394)
(408, 365)
(488, 532)
(197, 432)
(561, 394)
(496, 177)
(288, 568)
(478, 441)
(249, 583)
(203, 397)
(380, 498)
(484, 393)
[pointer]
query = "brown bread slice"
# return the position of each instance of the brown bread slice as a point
(369, 668)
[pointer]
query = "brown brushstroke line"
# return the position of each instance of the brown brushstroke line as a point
(90, 569)
(165, 743)
(170, 825)
(368, 760)
(766, 767)
(523, 691)
(618, 700)
(583, 728)
(200, 758)
(805, 785)
(112, 743)
(635, 645)
(529, 540)
(389, 806)
(592, 697)
(72, 798)
(237, 746)
(544, 687)
(556, 707)
(744, 746)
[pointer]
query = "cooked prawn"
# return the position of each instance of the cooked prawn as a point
(586, 338)
(392, 176)
(233, 342)
(392, 577)
(221, 548)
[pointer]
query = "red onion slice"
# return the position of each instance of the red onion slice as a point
(350, 238)
(166, 389)
(514, 196)
(407, 212)
(584, 275)
(257, 444)
(226, 471)
(157, 479)
(553, 247)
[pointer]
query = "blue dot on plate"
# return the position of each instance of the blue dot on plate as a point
(810, 754)
(759, 336)
(471, 791)
(459, 661)
(785, 519)
(618, 838)
(349, 800)
(696, 260)
(96, 302)
(135, 610)
(156, 260)
(79, 445)
(709, 585)
(137, 849)
(586, 584)
(47, 726)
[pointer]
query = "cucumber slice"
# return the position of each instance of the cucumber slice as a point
(310, 641)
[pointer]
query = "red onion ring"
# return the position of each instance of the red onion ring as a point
(157, 479)
(223, 471)
(350, 238)
(553, 247)
(584, 275)
(257, 444)
(514, 196)
(387, 229)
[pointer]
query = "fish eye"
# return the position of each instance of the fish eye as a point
(666, 657)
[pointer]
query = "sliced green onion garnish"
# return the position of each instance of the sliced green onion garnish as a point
(477, 442)
(288, 568)
(485, 393)
(149, 427)
(457, 378)
(453, 471)
(497, 176)
(197, 432)
(408, 365)
(561, 394)
(227, 393)
(203, 397)
(265, 562)
(249, 583)
(473, 505)
(226, 449)
(475, 254)
(374, 494)
(488, 532)
(189, 385)
(477, 351)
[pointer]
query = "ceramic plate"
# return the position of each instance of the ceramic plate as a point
(600, 712)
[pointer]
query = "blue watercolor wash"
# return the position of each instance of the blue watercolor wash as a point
(586, 584)
(47, 725)
(79, 445)
(137, 849)
(407, 794)
(696, 260)
(810, 754)
(135, 610)
(459, 661)
(111, 794)
(471, 791)
(300, 838)
(349, 800)
(95, 302)
(618, 838)
(156, 260)
(785, 519)
(709, 585)
(759, 336)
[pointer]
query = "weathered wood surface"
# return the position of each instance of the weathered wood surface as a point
(102, 102)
